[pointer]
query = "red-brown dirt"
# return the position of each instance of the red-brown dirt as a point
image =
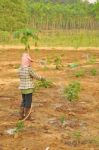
(49, 105)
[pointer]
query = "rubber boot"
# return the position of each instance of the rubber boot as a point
(21, 113)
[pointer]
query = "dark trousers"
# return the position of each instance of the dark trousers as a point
(26, 100)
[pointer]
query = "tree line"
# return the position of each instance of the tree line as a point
(48, 14)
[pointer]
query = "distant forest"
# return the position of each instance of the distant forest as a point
(48, 14)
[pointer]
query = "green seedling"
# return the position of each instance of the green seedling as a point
(62, 119)
(20, 126)
(71, 92)
(79, 73)
(73, 65)
(94, 140)
(46, 84)
(49, 61)
(77, 136)
(93, 72)
(43, 84)
(58, 63)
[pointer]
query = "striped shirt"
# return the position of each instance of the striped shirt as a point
(26, 77)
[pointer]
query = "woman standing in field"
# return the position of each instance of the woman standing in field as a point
(27, 75)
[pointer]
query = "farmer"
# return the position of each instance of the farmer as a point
(27, 75)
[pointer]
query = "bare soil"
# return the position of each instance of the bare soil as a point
(47, 131)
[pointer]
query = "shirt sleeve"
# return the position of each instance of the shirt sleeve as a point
(34, 74)
(29, 58)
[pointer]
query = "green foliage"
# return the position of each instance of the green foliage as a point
(49, 60)
(80, 73)
(20, 126)
(4, 36)
(69, 38)
(76, 14)
(68, 14)
(58, 62)
(71, 92)
(95, 10)
(37, 50)
(13, 14)
(43, 84)
(77, 136)
(93, 72)
(58, 38)
(25, 35)
(73, 65)
(94, 140)
(62, 119)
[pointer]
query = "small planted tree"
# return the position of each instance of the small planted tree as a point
(19, 126)
(71, 92)
(76, 136)
(62, 119)
(58, 63)
(49, 60)
(93, 72)
(80, 73)
(43, 84)
(25, 35)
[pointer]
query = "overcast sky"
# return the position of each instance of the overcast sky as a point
(92, 1)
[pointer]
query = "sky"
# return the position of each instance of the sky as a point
(92, 1)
